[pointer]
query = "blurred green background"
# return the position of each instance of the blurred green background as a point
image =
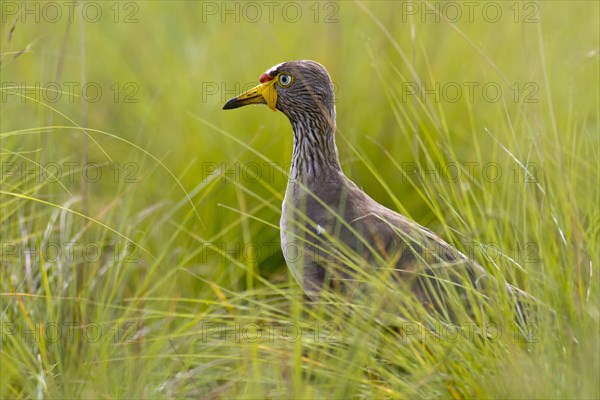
(420, 86)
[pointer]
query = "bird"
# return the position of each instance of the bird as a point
(333, 235)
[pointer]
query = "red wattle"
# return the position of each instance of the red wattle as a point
(265, 78)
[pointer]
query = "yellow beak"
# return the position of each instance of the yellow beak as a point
(264, 93)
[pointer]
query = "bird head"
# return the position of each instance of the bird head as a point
(300, 89)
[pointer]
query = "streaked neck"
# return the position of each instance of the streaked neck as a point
(315, 154)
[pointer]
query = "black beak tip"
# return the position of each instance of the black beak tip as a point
(231, 104)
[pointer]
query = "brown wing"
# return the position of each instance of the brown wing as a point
(359, 237)
(350, 236)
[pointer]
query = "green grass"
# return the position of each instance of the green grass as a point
(185, 214)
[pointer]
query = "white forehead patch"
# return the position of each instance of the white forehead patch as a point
(274, 68)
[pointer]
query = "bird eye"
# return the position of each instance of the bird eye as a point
(285, 80)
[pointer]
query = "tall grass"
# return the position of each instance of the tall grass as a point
(170, 282)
